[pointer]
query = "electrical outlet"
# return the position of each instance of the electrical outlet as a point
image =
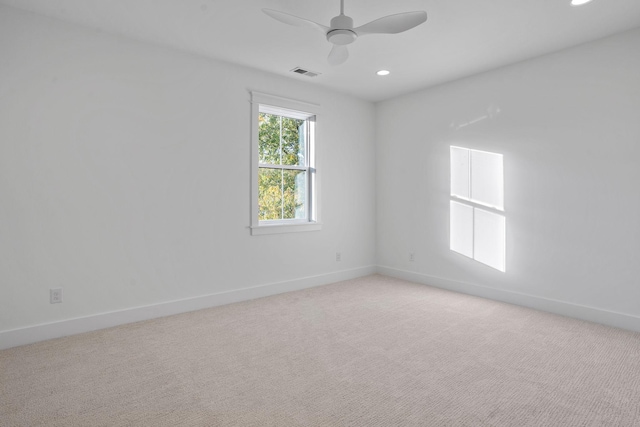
(412, 256)
(55, 296)
(338, 257)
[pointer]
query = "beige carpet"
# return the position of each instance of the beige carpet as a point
(369, 352)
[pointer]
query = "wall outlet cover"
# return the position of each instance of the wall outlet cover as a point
(55, 296)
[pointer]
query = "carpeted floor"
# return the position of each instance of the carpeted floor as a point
(369, 352)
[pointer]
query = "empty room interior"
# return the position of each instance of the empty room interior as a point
(302, 213)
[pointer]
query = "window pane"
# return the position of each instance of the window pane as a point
(269, 139)
(487, 179)
(461, 232)
(460, 172)
(269, 194)
(282, 194)
(489, 239)
(295, 194)
(292, 141)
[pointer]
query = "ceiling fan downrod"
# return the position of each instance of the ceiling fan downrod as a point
(341, 32)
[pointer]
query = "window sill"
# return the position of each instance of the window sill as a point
(285, 228)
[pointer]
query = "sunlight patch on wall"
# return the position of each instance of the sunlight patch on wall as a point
(477, 221)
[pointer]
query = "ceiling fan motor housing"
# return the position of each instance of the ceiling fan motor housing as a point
(341, 32)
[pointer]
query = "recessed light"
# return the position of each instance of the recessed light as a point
(579, 2)
(383, 72)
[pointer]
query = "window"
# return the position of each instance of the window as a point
(477, 221)
(284, 181)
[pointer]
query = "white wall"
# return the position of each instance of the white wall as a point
(125, 176)
(569, 129)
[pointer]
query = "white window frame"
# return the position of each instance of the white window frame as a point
(272, 104)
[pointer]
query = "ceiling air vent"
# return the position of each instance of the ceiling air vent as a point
(304, 72)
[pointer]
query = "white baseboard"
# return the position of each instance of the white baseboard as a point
(32, 334)
(591, 314)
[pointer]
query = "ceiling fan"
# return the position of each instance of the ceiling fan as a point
(341, 32)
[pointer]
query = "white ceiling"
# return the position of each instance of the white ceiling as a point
(460, 37)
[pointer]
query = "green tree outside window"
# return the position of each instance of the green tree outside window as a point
(282, 177)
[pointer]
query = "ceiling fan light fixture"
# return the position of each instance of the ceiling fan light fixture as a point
(341, 37)
(341, 32)
(579, 2)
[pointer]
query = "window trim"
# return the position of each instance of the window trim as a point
(297, 109)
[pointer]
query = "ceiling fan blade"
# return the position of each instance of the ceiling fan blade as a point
(294, 20)
(393, 24)
(338, 55)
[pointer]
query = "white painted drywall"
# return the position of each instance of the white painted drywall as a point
(568, 125)
(125, 176)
